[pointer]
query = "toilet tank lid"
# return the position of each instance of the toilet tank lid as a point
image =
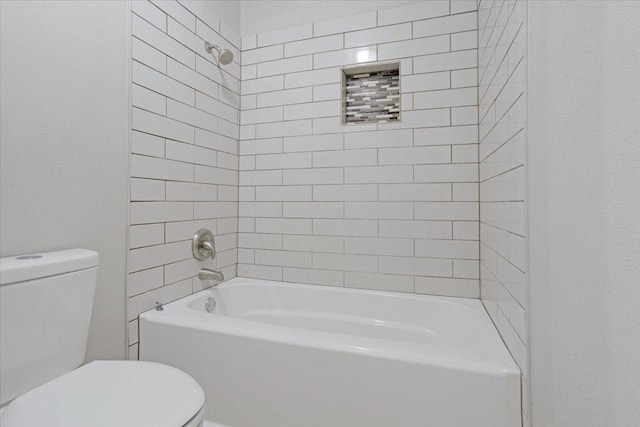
(21, 268)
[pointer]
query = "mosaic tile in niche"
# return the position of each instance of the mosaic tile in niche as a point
(372, 96)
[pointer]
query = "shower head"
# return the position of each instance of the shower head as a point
(225, 56)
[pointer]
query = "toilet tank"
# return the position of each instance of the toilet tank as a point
(45, 311)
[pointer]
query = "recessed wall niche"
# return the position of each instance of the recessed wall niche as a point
(371, 93)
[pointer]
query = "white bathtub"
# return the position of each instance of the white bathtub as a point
(287, 355)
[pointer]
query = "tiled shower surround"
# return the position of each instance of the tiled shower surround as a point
(503, 234)
(184, 142)
(259, 155)
(389, 206)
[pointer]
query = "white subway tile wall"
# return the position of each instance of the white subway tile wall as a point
(502, 162)
(184, 158)
(416, 206)
(377, 206)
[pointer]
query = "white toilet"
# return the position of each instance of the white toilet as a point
(45, 311)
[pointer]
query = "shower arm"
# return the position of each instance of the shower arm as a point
(210, 46)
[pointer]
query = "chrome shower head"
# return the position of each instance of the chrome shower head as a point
(225, 56)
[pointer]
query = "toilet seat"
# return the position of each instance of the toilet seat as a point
(109, 394)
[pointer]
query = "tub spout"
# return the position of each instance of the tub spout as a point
(206, 274)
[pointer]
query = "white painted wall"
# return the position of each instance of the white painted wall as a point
(64, 157)
(584, 156)
(257, 16)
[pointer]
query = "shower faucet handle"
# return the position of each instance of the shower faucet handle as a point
(203, 245)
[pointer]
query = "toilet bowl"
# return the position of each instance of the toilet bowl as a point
(45, 311)
(110, 394)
